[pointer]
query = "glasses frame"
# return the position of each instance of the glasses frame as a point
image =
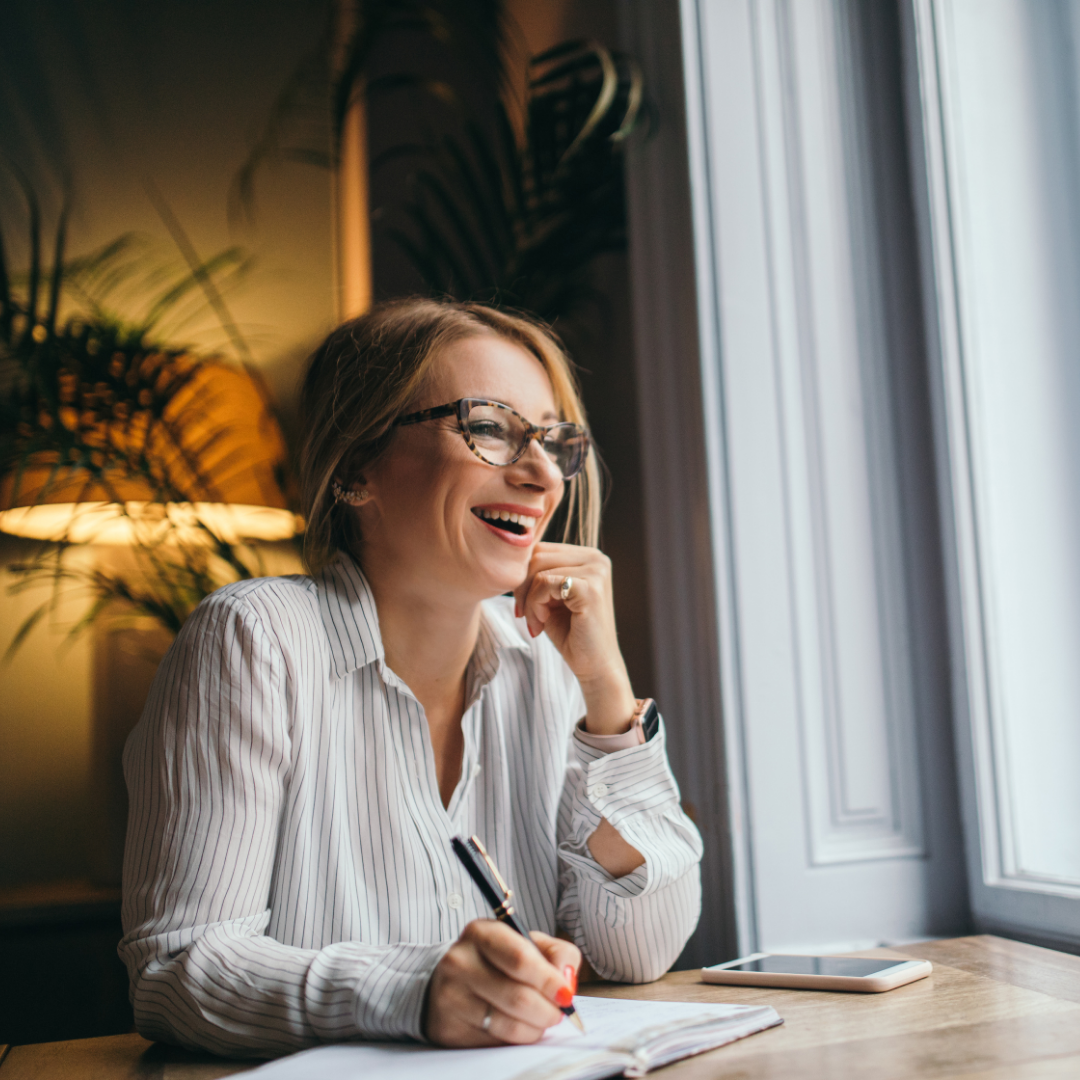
(461, 408)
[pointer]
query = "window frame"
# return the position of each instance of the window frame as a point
(1002, 900)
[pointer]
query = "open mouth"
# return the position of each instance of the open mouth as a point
(517, 524)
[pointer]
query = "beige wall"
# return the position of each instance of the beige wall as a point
(114, 95)
(44, 744)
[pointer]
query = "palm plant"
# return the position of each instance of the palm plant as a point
(95, 406)
(512, 200)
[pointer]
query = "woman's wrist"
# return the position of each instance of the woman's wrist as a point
(609, 703)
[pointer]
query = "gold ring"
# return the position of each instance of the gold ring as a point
(565, 587)
(486, 1022)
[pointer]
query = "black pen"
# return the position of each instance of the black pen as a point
(497, 893)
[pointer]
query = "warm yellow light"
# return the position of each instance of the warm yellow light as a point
(149, 522)
(216, 448)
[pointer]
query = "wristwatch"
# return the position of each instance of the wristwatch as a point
(646, 719)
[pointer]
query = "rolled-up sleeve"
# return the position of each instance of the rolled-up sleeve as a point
(632, 928)
(207, 769)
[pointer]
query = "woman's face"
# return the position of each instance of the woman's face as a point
(429, 518)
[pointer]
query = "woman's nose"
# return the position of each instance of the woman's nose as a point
(537, 459)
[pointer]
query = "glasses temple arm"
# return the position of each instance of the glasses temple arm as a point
(427, 414)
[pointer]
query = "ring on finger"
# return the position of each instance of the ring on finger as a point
(565, 587)
(486, 1022)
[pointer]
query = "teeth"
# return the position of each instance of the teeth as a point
(523, 520)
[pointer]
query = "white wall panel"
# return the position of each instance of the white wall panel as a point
(834, 703)
(842, 514)
(829, 728)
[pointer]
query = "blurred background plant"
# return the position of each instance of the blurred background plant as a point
(112, 432)
(507, 195)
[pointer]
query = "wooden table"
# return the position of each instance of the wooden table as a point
(992, 1010)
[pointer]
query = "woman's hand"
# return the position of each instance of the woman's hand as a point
(582, 627)
(491, 970)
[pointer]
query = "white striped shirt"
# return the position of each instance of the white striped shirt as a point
(288, 877)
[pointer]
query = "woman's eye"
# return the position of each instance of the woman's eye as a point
(487, 429)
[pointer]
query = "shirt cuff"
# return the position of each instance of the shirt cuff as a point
(609, 743)
(629, 784)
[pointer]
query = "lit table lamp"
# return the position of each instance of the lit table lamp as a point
(214, 447)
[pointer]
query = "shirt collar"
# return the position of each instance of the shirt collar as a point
(348, 613)
(351, 620)
(501, 628)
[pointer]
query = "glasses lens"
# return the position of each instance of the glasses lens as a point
(567, 445)
(496, 433)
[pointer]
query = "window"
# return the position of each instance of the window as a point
(855, 246)
(794, 415)
(1000, 103)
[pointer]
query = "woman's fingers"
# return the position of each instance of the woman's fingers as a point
(559, 953)
(462, 1021)
(545, 596)
(564, 957)
(581, 625)
(560, 560)
(492, 971)
(523, 983)
(502, 1028)
(516, 1001)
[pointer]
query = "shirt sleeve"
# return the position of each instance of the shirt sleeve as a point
(207, 769)
(632, 928)
(609, 743)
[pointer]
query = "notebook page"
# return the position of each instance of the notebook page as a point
(400, 1061)
(619, 1023)
(563, 1052)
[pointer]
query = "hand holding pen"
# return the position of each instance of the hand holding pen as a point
(494, 986)
(498, 895)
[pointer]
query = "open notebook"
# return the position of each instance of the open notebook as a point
(624, 1038)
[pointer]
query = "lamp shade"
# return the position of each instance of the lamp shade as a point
(192, 450)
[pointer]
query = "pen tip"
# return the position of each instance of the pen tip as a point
(576, 1021)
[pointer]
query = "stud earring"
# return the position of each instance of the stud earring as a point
(353, 498)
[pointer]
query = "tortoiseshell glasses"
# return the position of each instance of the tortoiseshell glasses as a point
(497, 434)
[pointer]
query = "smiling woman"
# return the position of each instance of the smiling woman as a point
(312, 745)
(366, 378)
(444, 485)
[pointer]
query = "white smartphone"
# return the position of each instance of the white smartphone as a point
(856, 973)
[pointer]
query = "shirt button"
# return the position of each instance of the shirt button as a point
(599, 790)
(455, 900)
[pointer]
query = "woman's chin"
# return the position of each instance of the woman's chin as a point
(502, 586)
(503, 578)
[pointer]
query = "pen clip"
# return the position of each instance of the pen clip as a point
(506, 890)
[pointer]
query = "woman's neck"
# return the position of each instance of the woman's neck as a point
(427, 645)
(427, 642)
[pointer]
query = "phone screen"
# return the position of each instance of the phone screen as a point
(850, 966)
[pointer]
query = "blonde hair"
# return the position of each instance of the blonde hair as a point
(371, 369)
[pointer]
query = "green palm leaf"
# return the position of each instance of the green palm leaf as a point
(485, 213)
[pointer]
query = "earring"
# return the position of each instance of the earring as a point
(353, 498)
